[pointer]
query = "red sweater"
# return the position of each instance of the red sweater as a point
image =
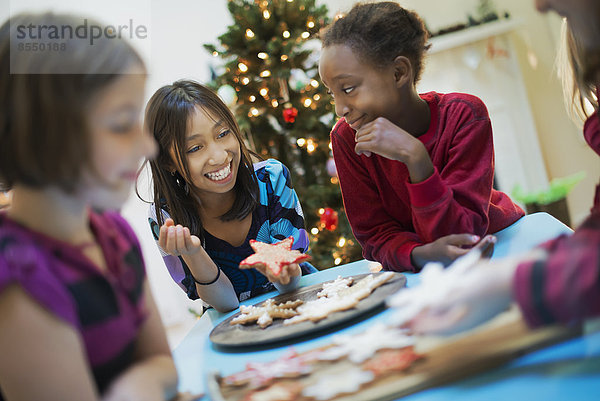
(565, 287)
(390, 216)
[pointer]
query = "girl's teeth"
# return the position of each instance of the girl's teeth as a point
(221, 174)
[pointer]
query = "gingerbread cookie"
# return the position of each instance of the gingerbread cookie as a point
(264, 314)
(274, 256)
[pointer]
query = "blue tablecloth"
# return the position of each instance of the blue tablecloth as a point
(567, 371)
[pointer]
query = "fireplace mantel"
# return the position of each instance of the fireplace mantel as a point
(472, 34)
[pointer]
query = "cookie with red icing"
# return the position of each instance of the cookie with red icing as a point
(392, 360)
(261, 374)
(274, 256)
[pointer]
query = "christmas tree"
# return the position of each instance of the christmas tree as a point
(269, 76)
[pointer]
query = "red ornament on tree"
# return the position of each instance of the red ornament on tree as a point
(289, 113)
(329, 219)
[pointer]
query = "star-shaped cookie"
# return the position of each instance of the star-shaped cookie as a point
(274, 256)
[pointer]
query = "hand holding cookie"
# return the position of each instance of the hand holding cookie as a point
(278, 262)
(285, 275)
(177, 240)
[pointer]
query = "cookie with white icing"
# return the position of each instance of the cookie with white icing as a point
(265, 313)
(329, 386)
(362, 346)
(338, 297)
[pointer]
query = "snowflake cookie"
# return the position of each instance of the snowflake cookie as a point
(329, 386)
(362, 346)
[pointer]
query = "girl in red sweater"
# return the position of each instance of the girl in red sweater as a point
(416, 170)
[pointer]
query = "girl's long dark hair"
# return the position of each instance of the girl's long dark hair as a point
(167, 117)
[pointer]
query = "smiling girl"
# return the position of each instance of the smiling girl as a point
(416, 170)
(210, 200)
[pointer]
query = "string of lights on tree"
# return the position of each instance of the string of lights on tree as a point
(269, 77)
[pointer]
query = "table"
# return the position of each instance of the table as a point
(570, 370)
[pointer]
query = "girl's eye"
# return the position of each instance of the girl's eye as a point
(224, 133)
(348, 90)
(194, 149)
(121, 129)
(123, 122)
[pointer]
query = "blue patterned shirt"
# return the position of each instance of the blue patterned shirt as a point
(278, 216)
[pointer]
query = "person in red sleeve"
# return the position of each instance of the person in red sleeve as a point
(559, 282)
(416, 170)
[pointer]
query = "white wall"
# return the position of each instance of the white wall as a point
(173, 50)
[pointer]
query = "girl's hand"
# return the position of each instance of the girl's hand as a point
(134, 386)
(459, 298)
(447, 249)
(386, 139)
(287, 272)
(177, 240)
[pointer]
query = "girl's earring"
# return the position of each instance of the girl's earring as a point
(180, 181)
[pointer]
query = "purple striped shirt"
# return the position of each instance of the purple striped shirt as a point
(105, 308)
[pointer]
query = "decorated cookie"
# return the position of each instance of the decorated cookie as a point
(265, 313)
(329, 386)
(274, 256)
(320, 308)
(258, 374)
(287, 391)
(364, 287)
(360, 347)
(338, 297)
(391, 360)
(333, 287)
